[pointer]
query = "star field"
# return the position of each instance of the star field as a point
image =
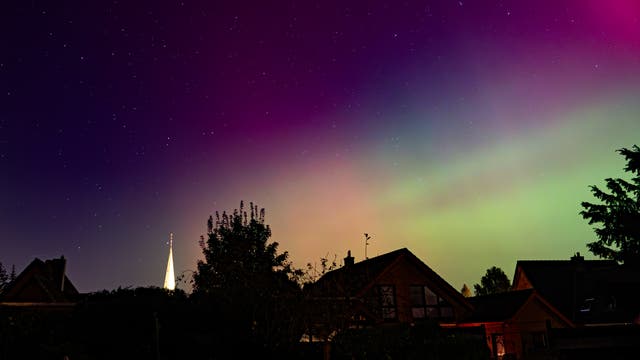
(448, 127)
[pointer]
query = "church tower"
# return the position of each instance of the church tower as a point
(169, 277)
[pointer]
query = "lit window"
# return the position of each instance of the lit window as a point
(498, 345)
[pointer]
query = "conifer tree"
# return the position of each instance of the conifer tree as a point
(4, 277)
(618, 214)
(13, 273)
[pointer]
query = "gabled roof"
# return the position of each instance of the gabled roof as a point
(41, 282)
(354, 280)
(350, 279)
(505, 306)
(562, 282)
(498, 307)
(539, 271)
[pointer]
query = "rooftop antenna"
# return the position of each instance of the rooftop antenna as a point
(366, 243)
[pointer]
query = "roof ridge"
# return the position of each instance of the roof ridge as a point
(503, 293)
(369, 260)
(569, 261)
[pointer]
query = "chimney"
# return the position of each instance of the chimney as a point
(577, 257)
(577, 291)
(349, 260)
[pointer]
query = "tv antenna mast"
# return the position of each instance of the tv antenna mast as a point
(366, 243)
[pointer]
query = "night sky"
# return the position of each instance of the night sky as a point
(466, 131)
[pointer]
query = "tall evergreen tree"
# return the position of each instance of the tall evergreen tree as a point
(618, 214)
(466, 292)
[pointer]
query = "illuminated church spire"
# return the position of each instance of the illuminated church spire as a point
(169, 277)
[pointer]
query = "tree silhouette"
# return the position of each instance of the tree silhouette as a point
(618, 213)
(252, 285)
(494, 281)
(4, 277)
(13, 275)
(466, 292)
(313, 272)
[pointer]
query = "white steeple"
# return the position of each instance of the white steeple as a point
(169, 277)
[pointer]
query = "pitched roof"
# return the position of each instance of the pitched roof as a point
(505, 306)
(41, 281)
(498, 307)
(350, 279)
(563, 282)
(354, 280)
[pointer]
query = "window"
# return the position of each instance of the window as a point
(427, 304)
(587, 305)
(539, 340)
(388, 301)
(417, 302)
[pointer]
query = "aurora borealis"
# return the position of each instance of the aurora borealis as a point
(466, 131)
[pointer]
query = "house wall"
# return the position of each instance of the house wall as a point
(535, 313)
(520, 281)
(531, 323)
(492, 331)
(29, 292)
(405, 274)
(522, 335)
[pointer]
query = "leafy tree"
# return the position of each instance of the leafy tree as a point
(618, 213)
(252, 286)
(494, 281)
(313, 272)
(158, 324)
